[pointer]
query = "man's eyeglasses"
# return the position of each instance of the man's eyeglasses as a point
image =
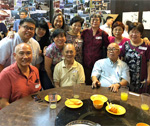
(27, 28)
(113, 49)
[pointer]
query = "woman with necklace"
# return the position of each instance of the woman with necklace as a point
(137, 55)
(118, 28)
(73, 36)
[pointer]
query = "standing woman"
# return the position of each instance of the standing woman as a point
(58, 22)
(42, 35)
(117, 29)
(54, 52)
(137, 55)
(73, 36)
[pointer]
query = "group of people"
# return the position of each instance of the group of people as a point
(38, 58)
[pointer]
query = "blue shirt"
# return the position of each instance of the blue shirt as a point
(109, 73)
(16, 25)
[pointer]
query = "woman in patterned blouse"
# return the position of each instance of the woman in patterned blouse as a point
(73, 36)
(136, 54)
(54, 51)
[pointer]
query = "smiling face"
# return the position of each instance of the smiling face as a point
(60, 40)
(40, 32)
(26, 31)
(69, 53)
(113, 52)
(58, 22)
(118, 31)
(23, 55)
(95, 22)
(76, 27)
(135, 36)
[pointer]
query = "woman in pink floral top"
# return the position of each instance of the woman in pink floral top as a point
(54, 51)
(73, 36)
(118, 28)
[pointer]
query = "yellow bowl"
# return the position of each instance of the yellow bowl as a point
(142, 124)
(98, 104)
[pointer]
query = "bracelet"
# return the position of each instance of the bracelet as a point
(119, 85)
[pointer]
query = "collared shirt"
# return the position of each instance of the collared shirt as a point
(53, 52)
(109, 73)
(92, 46)
(69, 77)
(107, 29)
(14, 85)
(7, 48)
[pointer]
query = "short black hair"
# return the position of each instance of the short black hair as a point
(23, 10)
(57, 32)
(43, 24)
(76, 19)
(109, 17)
(128, 22)
(29, 20)
(95, 16)
(59, 14)
(136, 26)
(118, 23)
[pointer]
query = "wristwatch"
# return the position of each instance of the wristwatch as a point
(119, 85)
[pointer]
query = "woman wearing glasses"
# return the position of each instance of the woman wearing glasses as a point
(118, 28)
(137, 55)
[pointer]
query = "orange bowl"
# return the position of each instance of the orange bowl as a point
(98, 104)
(142, 124)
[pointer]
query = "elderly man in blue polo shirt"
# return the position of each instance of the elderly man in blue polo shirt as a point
(110, 72)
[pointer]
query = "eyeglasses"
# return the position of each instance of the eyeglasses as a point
(113, 49)
(134, 32)
(119, 30)
(27, 28)
(96, 20)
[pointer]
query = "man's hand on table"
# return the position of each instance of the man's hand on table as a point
(114, 87)
(96, 84)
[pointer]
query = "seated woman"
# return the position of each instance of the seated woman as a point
(42, 35)
(54, 52)
(137, 55)
(68, 72)
(73, 36)
(118, 28)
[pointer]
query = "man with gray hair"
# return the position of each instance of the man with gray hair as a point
(19, 79)
(24, 35)
(111, 72)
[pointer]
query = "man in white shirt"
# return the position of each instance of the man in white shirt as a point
(107, 27)
(24, 35)
(111, 72)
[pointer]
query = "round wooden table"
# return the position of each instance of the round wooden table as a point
(28, 112)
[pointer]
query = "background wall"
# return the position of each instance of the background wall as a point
(119, 6)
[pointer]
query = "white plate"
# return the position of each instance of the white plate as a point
(82, 123)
